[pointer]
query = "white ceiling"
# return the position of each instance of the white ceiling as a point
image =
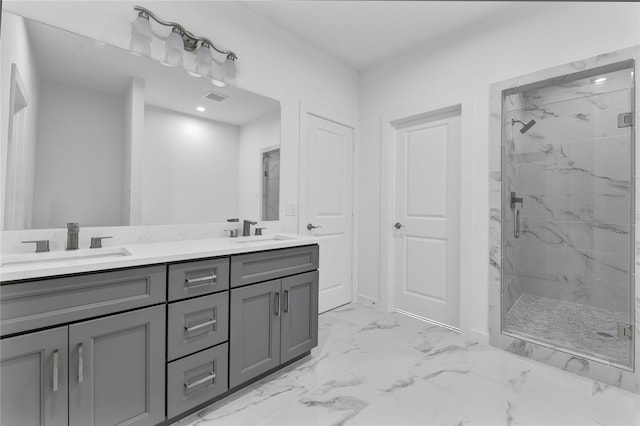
(364, 33)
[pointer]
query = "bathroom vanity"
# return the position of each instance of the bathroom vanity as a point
(152, 336)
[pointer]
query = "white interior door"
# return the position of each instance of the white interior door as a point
(426, 219)
(328, 205)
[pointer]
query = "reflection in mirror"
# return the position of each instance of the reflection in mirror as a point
(270, 183)
(95, 135)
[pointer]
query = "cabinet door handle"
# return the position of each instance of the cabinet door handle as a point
(277, 302)
(197, 326)
(56, 360)
(80, 362)
(191, 281)
(286, 301)
(211, 377)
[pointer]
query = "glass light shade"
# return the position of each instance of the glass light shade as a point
(140, 46)
(229, 70)
(203, 59)
(142, 27)
(141, 36)
(216, 75)
(174, 47)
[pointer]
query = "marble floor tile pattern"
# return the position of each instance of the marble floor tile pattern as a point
(377, 368)
(586, 329)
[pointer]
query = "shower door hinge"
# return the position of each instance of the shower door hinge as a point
(625, 330)
(625, 120)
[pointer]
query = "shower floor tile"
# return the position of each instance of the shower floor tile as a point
(570, 325)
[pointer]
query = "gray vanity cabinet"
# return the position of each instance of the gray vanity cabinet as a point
(116, 369)
(299, 322)
(274, 321)
(255, 331)
(34, 379)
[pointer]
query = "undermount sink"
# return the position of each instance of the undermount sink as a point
(261, 239)
(63, 256)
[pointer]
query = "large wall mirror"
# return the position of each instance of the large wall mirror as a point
(96, 135)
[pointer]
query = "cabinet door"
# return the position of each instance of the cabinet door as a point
(299, 328)
(33, 373)
(117, 369)
(255, 331)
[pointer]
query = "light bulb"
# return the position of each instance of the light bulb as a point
(174, 49)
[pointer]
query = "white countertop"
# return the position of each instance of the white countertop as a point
(37, 265)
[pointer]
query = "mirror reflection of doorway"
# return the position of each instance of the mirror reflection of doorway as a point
(17, 195)
(271, 184)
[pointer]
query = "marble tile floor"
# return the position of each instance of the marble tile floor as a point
(377, 368)
(587, 329)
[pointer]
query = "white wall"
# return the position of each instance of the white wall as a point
(459, 70)
(272, 62)
(18, 52)
(189, 169)
(254, 137)
(79, 155)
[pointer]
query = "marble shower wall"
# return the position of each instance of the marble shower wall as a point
(562, 217)
(573, 170)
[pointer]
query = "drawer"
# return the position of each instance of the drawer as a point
(267, 265)
(197, 278)
(42, 303)
(196, 324)
(196, 379)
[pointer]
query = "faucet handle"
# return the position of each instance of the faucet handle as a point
(233, 233)
(259, 231)
(73, 226)
(96, 242)
(235, 219)
(41, 245)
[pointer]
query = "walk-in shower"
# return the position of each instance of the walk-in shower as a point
(567, 213)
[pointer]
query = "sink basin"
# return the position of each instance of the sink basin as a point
(258, 239)
(58, 257)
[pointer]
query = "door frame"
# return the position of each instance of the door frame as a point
(464, 106)
(343, 119)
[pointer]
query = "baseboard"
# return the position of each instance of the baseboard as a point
(368, 301)
(479, 336)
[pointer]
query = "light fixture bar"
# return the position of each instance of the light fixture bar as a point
(190, 40)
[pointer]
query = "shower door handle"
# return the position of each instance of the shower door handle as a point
(516, 223)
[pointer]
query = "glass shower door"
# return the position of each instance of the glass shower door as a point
(567, 235)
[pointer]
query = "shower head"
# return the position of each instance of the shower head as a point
(526, 126)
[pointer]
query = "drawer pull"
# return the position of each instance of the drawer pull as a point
(197, 326)
(80, 362)
(56, 360)
(286, 301)
(211, 377)
(192, 282)
(277, 303)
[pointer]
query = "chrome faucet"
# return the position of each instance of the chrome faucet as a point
(246, 227)
(73, 229)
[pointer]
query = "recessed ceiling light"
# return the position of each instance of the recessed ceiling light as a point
(600, 80)
(201, 109)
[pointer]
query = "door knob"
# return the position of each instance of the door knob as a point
(310, 227)
(398, 225)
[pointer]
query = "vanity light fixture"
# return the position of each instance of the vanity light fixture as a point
(201, 109)
(600, 80)
(179, 41)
